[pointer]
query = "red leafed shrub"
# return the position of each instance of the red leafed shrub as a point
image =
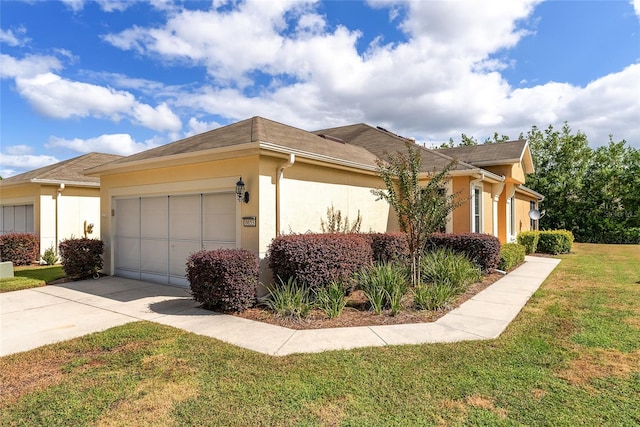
(318, 259)
(19, 248)
(390, 247)
(482, 249)
(81, 257)
(224, 279)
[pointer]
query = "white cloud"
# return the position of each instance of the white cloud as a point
(636, 6)
(18, 149)
(13, 164)
(12, 39)
(122, 144)
(29, 66)
(196, 126)
(74, 5)
(54, 96)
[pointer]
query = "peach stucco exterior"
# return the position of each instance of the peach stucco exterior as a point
(292, 177)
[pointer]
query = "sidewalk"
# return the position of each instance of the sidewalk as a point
(39, 316)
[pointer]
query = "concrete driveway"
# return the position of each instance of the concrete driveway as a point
(50, 314)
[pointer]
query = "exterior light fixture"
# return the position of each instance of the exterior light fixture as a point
(241, 193)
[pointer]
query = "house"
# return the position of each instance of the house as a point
(54, 202)
(160, 205)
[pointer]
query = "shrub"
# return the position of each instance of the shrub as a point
(444, 266)
(318, 259)
(50, 256)
(529, 239)
(555, 242)
(81, 258)
(335, 224)
(390, 247)
(482, 249)
(332, 300)
(384, 285)
(289, 300)
(511, 254)
(433, 296)
(19, 248)
(224, 279)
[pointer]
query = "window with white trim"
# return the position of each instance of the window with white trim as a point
(476, 210)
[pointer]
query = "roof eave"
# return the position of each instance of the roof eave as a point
(238, 150)
(269, 146)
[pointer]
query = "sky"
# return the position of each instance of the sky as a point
(121, 77)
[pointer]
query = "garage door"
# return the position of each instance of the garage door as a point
(16, 219)
(155, 235)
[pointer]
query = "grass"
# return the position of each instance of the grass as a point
(572, 357)
(31, 277)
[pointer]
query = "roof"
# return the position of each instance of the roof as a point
(501, 153)
(65, 172)
(381, 142)
(260, 133)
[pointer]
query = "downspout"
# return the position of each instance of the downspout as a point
(59, 194)
(279, 175)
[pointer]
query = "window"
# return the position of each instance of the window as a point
(476, 214)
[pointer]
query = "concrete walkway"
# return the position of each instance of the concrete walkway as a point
(39, 316)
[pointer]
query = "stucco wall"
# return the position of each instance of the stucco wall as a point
(205, 177)
(71, 209)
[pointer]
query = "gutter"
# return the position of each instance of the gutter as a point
(315, 156)
(62, 183)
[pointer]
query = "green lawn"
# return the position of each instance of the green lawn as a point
(31, 277)
(572, 357)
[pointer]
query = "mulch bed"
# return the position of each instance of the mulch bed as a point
(357, 314)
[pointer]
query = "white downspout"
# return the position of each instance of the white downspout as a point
(58, 196)
(280, 174)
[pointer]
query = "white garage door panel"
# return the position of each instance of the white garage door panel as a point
(154, 215)
(127, 253)
(184, 222)
(16, 219)
(156, 235)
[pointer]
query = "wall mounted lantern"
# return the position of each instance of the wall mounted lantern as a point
(241, 193)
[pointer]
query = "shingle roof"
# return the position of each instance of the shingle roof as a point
(488, 154)
(382, 142)
(66, 171)
(258, 130)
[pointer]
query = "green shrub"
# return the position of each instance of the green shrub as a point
(434, 296)
(482, 249)
(224, 279)
(555, 242)
(444, 266)
(288, 299)
(529, 239)
(332, 299)
(318, 259)
(50, 256)
(384, 285)
(81, 258)
(511, 254)
(19, 248)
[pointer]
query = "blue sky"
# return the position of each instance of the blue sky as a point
(124, 76)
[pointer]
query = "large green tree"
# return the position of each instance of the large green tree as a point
(418, 198)
(561, 159)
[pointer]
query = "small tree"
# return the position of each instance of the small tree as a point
(421, 209)
(335, 224)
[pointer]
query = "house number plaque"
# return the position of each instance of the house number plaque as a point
(249, 221)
